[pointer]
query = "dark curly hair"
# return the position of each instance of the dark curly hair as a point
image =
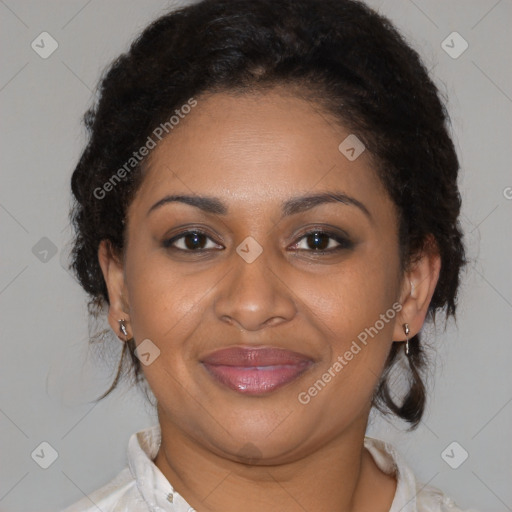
(342, 56)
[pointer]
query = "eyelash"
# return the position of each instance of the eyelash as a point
(344, 243)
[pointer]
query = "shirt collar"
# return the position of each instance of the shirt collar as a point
(155, 489)
(391, 462)
(160, 495)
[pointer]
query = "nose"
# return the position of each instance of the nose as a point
(254, 295)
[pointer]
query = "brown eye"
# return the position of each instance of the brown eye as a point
(318, 241)
(191, 241)
(322, 241)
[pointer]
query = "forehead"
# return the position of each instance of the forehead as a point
(248, 148)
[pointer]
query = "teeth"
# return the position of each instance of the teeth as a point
(271, 367)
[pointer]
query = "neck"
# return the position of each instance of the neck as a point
(339, 476)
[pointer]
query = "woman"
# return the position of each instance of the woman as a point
(268, 207)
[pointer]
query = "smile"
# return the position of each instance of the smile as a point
(255, 371)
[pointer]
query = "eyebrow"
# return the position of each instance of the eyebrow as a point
(290, 207)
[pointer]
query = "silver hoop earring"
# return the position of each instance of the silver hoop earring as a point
(406, 330)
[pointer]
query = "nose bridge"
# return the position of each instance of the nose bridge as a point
(253, 294)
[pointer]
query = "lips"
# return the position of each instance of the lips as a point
(255, 371)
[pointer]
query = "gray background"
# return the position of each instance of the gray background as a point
(48, 374)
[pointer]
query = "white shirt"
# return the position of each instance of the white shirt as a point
(142, 487)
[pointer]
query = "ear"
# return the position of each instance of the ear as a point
(113, 274)
(418, 286)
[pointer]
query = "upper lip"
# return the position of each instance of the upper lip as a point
(255, 356)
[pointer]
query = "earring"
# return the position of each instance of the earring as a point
(122, 327)
(406, 330)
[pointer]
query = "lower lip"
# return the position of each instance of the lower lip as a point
(256, 380)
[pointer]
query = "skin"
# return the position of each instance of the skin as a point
(222, 450)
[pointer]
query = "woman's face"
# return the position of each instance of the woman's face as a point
(257, 298)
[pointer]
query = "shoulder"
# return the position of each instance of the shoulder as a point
(431, 499)
(115, 496)
(139, 487)
(411, 495)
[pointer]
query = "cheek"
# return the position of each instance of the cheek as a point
(356, 318)
(351, 297)
(165, 307)
(353, 308)
(161, 297)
